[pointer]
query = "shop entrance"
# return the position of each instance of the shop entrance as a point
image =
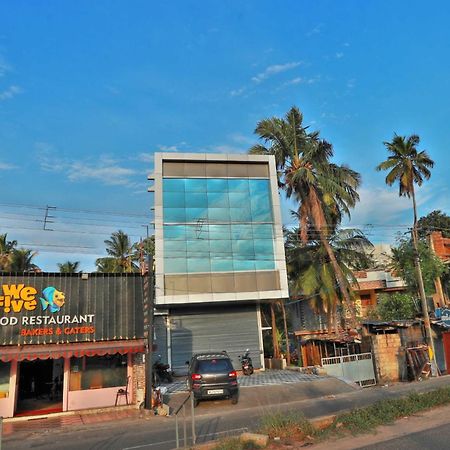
(40, 389)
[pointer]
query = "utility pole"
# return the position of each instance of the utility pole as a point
(423, 298)
(148, 325)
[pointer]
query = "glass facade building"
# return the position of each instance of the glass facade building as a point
(217, 229)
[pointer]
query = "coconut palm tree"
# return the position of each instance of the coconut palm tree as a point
(121, 253)
(6, 251)
(22, 260)
(69, 267)
(324, 191)
(408, 166)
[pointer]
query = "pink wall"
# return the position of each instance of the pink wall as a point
(7, 405)
(94, 398)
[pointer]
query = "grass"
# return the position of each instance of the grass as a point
(294, 427)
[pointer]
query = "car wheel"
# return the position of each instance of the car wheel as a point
(234, 399)
(196, 402)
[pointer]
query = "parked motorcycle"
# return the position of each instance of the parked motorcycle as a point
(161, 372)
(246, 363)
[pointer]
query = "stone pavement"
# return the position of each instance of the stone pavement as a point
(263, 378)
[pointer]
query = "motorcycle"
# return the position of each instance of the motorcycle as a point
(161, 372)
(246, 363)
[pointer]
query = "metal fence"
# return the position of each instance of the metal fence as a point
(357, 368)
(182, 409)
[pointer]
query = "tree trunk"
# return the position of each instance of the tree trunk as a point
(321, 225)
(423, 297)
(275, 344)
(288, 351)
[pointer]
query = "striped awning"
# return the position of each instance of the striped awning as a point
(55, 351)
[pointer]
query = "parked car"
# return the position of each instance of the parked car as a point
(211, 375)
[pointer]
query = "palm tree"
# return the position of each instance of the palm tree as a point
(323, 190)
(121, 253)
(22, 260)
(408, 167)
(6, 251)
(69, 267)
(311, 273)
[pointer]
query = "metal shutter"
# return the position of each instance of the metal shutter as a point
(233, 329)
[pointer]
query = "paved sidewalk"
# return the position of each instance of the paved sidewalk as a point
(259, 378)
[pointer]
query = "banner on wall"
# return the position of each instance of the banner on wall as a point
(65, 308)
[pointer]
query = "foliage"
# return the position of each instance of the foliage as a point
(395, 306)
(406, 164)
(69, 267)
(282, 424)
(22, 260)
(6, 252)
(122, 255)
(434, 221)
(311, 273)
(403, 264)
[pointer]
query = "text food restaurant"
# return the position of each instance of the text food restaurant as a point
(69, 341)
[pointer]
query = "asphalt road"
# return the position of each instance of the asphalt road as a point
(435, 438)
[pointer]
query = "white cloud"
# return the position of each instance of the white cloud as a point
(351, 83)
(302, 80)
(225, 148)
(4, 67)
(339, 55)
(11, 92)
(316, 30)
(274, 70)
(146, 157)
(7, 166)
(237, 92)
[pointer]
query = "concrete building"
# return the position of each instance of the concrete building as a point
(219, 253)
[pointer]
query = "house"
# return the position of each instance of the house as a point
(219, 253)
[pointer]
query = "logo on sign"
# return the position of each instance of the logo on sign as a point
(53, 299)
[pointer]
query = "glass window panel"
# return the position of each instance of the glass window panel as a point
(177, 232)
(195, 185)
(174, 248)
(174, 215)
(259, 187)
(216, 185)
(197, 215)
(218, 200)
(173, 200)
(173, 184)
(261, 212)
(195, 265)
(237, 199)
(243, 249)
(196, 200)
(238, 185)
(264, 265)
(5, 368)
(222, 265)
(240, 214)
(263, 248)
(241, 231)
(242, 264)
(262, 231)
(219, 214)
(175, 265)
(221, 248)
(198, 248)
(219, 232)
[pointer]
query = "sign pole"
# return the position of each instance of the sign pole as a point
(148, 281)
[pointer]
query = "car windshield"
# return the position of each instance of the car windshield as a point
(214, 366)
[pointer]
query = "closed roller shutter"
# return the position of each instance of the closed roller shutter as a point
(230, 329)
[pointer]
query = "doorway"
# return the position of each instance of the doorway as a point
(40, 389)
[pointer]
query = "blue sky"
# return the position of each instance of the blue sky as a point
(89, 90)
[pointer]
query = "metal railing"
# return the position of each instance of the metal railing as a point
(182, 408)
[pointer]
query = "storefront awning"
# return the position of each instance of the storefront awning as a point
(54, 351)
